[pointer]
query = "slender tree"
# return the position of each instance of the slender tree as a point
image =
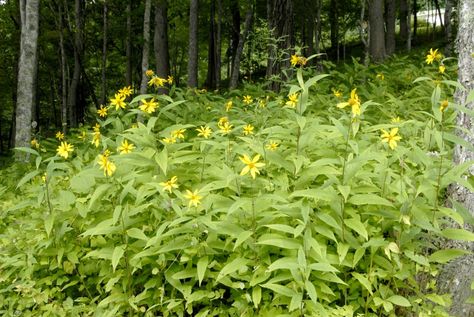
(280, 22)
(403, 17)
(457, 276)
(160, 41)
(193, 44)
(26, 88)
(146, 46)
(73, 97)
(211, 80)
(128, 44)
(390, 17)
(103, 94)
(377, 33)
(334, 28)
(236, 66)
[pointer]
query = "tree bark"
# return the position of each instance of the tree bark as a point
(415, 18)
(211, 80)
(403, 16)
(29, 12)
(235, 32)
(457, 276)
(448, 27)
(160, 41)
(193, 44)
(234, 77)
(377, 33)
(334, 28)
(146, 46)
(73, 97)
(390, 12)
(103, 95)
(280, 13)
(309, 28)
(219, 43)
(63, 71)
(128, 44)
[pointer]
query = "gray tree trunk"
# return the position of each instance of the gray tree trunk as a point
(448, 27)
(160, 41)
(193, 44)
(280, 23)
(128, 48)
(76, 77)
(146, 46)
(63, 71)
(211, 80)
(103, 93)
(377, 32)
(234, 77)
(403, 16)
(219, 43)
(26, 98)
(390, 12)
(457, 276)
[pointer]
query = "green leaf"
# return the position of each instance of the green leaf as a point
(435, 298)
(281, 243)
(285, 263)
(311, 290)
(314, 80)
(369, 199)
(137, 234)
(256, 296)
(242, 237)
(231, 267)
(48, 224)
(357, 226)
(27, 178)
(295, 302)
(162, 160)
(323, 267)
(363, 281)
(399, 300)
(344, 190)
(360, 252)
(316, 194)
(98, 193)
(280, 289)
(458, 234)
(117, 255)
(201, 268)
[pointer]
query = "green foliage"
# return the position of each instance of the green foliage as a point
(335, 223)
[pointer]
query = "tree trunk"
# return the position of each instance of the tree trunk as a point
(193, 44)
(235, 31)
(160, 40)
(73, 97)
(364, 32)
(415, 18)
(219, 44)
(448, 27)
(409, 37)
(390, 11)
(211, 80)
(103, 95)
(317, 37)
(29, 13)
(128, 48)
(280, 13)
(234, 77)
(63, 71)
(377, 32)
(146, 46)
(403, 16)
(309, 24)
(334, 28)
(457, 276)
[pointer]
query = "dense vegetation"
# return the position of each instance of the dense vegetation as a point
(323, 200)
